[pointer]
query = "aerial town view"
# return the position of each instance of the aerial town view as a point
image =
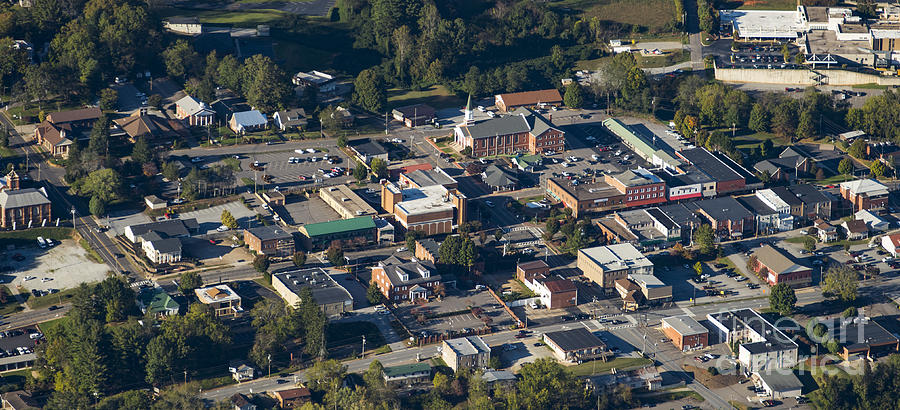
(449, 204)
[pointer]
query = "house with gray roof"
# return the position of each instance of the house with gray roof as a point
(293, 119)
(247, 121)
(500, 178)
(469, 352)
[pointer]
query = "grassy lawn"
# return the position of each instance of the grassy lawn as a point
(594, 64)
(57, 298)
(759, 5)
(651, 14)
(52, 324)
(264, 283)
(343, 338)
(91, 253)
(596, 367)
(872, 86)
(665, 60)
(755, 139)
(20, 116)
(437, 96)
(797, 239)
(6, 152)
(243, 18)
(834, 179)
(536, 198)
(235, 164)
(668, 396)
(29, 236)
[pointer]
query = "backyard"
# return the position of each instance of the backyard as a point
(437, 96)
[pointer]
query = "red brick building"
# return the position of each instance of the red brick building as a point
(401, 281)
(511, 101)
(521, 131)
(776, 267)
(685, 332)
(865, 194)
(527, 270)
(639, 186)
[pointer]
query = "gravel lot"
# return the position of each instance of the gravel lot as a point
(65, 266)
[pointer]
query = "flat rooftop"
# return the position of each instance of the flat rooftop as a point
(587, 191)
(710, 165)
(347, 199)
(764, 23)
(469, 345)
(616, 257)
(425, 200)
(739, 319)
(325, 290)
(685, 325)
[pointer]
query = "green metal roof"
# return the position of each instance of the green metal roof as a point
(404, 369)
(338, 226)
(624, 132)
(157, 300)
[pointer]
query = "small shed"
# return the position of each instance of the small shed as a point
(155, 202)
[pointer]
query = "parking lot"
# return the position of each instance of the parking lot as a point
(62, 266)
(286, 174)
(716, 288)
(211, 218)
(455, 301)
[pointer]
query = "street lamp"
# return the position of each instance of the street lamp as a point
(73, 217)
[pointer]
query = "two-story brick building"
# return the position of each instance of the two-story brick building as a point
(401, 281)
(24, 208)
(522, 131)
(865, 194)
(639, 186)
(270, 241)
(775, 267)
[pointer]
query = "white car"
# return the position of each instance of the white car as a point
(275, 217)
(402, 249)
(595, 157)
(310, 151)
(222, 228)
(177, 201)
(480, 108)
(291, 160)
(46, 279)
(196, 160)
(30, 277)
(489, 204)
(300, 151)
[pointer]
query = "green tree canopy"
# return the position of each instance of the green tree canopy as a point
(705, 239)
(845, 167)
(841, 281)
(857, 149)
(782, 298)
(369, 90)
(574, 97)
(189, 281)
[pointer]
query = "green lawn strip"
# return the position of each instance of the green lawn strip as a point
(756, 139)
(784, 5)
(651, 15)
(29, 236)
(437, 96)
(536, 198)
(57, 298)
(264, 283)
(872, 86)
(383, 349)
(234, 163)
(48, 326)
(12, 304)
(242, 18)
(596, 367)
(664, 397)
(671, 58)
(7, 152)
(91, 253)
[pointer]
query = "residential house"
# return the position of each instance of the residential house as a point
(728, 217)
(891, 243)
(241, 402)
(762, 346)
(465, 353)
(414, 115)
(328, 294)
(343, 116)
(194, 112)
(140, 124)
(641, 378)
(293, 119)
(247, 121)
(223, 301)
(539, 98)
(24, 208)
(60, 128)
(826, 231)
(522, 131)
(367, 149)
(865, 194)
(432, 210)
(241, 371)
(19, 400)
(606, 264)
(401, 280)
(500, 179)
(162, 250)
(355, 231)
(161, 241)
(407, 375)
(272, 241)
(575, 345)
(154, 202)
(292, 398)
(855, 229)
(527, 162)
(53, 139)
(775, 267)
(685, 332)
(498, 380)
(157, 303)
(873, 221)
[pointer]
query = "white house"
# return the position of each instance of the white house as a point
(166, 250)
(183, 25)
(875, 222)
(891, 243)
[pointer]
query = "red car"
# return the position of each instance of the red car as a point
(212, 241)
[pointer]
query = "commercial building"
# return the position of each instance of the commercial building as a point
(685, 332)
(864, 338)
(346, 202)
(606, 264)
(768, 220)
(465, 353)
(367, 149)
(816, 204)
(644, 143)
(521, 131)
(763, 347)
(223, 301)
(729, 219)
(872, 221)
(639, 186)
(687, 183)
(414, 115)
(356, 231)
(500, 178)
(407, 375)
(780, 385)
(271, 241)
(292, 398)
(528, 270)
(775, 267)
(554, 291)
(324, 83)
(585, 197)
(575, 345)
(765, 24)
(194, 112)
(539, 98)
(183, 25)
(421, 178)
(432, 209)
(865, 194)
(385, 231)
(23, 208)
(641, 378)
(161, 240)
(401, 281)
(728, 177)
(495, 380)
(331, 297)
(653, 290)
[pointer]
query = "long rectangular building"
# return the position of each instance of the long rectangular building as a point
(762, 345)
(521, 131)
(346, 202)
(605, 264)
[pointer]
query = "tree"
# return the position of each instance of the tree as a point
(228, 219)
(574, 97)
(849, 312)
(845, 167)
(373, 294)
(180, 59)
(141, 152)
(155, 101)
(806, 127)
(782, 298)
(170, 171)
(379, 168)
(342, 141)
(104, 184)
(97, 206)
(299, 259)
(369, 90)
(99, 139)
(498, 234)
(878, 168)
(809, 243)
(841, 281)
(698, 268)
(335, 255)
(261, 263)
(704, 238)
(857, 149)
(545, 384)
(263, 83)
(189, 281)
(109, 99)
(360, 172)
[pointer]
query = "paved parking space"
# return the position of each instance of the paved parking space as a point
(456, 300)
(63, 266)
(129, 99)
(216, 254)
(683, 288)
(516, 354)
(285, 174)
(211, 218)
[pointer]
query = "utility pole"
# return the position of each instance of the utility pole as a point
(269, 357)
(363, 352)
(185, 376)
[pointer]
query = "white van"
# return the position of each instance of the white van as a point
(41, 242)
